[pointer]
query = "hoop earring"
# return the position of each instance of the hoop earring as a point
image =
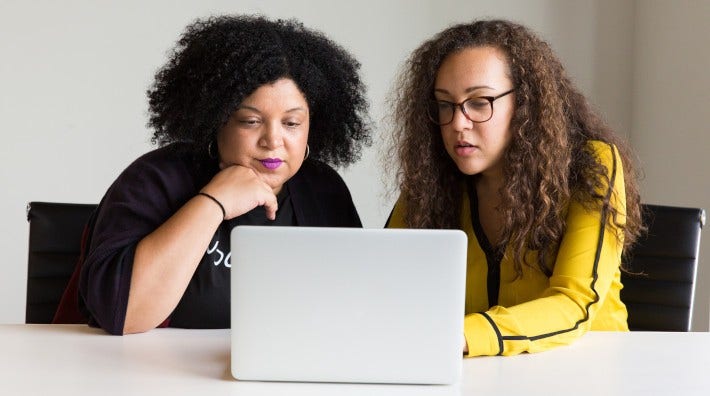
(211, 151)
(308, 151)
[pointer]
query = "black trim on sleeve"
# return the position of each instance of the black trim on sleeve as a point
(498, 335)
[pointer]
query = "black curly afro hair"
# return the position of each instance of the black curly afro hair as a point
(221, 60)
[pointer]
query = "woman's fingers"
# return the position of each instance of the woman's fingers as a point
(271, 205)
(241, 189)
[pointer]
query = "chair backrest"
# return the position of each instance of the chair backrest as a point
(54, 245)
(660, 283)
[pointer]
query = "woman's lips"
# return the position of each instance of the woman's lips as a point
(463, 148)
(271, 163)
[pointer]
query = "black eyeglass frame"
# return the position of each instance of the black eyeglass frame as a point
(460, 105)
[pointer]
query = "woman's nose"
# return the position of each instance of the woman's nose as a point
(272, 136)
(460, 121)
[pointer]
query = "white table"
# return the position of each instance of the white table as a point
(77, 360)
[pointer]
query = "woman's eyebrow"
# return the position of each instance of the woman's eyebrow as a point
(246, 107)
(467, 90)
(477, 87)
(296, 109)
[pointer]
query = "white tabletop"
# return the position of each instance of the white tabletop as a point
(77, 360)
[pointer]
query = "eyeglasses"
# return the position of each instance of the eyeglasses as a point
(478, 109)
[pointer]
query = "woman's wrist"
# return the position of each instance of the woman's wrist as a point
(216, 201)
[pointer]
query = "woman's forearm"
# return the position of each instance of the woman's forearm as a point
(165, 261)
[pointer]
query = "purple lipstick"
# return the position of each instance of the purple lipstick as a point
(271, 163)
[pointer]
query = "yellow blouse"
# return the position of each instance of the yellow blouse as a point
(535, 312)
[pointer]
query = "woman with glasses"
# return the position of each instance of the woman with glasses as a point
(492, 137)
(250, 116)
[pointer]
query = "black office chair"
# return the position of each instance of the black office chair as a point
(660, 283)
(55, 241)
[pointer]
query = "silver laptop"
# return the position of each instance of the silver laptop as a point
(347, 305)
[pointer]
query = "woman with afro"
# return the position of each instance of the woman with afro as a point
(493, 138)
(250, 114)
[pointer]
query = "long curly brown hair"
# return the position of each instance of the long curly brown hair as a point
(547, 163)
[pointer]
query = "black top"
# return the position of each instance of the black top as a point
(493, 256)
(151, 190)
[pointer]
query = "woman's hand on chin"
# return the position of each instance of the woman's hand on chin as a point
(240, 189)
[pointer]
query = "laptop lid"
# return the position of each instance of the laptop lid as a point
(347, 305)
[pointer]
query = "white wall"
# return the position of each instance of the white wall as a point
(73, 76)
(671, 100)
